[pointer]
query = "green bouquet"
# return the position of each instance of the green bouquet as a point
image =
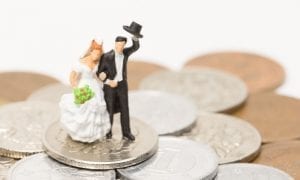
(83, 94)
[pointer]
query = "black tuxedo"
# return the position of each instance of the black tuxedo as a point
(117, 98)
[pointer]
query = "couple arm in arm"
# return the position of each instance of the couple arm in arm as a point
(102, 72)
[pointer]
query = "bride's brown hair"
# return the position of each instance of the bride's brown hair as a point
(94, 46)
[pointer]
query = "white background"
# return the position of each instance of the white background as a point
(48, 36)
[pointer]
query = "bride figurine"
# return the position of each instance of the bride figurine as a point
(83, 113)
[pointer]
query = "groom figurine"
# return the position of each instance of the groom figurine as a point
(112, 70)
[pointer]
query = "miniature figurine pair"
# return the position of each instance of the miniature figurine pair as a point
(91, 117)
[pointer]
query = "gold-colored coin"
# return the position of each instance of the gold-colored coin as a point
(16, 86)
(282, 155)
(275, 116)
(259, 73)
(2, 101)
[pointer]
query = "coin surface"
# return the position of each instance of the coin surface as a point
(51, 93)
(42, 167)
(275, 116)
(166, 113)
(233, 139)
(22, 125)
(282, 155)
(245, 171)
(259, 73)
(16, 86)
(176, 159)
(103, 154)
(212, 90)
(2, 102)
(5, 164)
(138, 70)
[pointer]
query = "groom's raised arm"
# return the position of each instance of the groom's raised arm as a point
(135, 46)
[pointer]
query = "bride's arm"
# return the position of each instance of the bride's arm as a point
(74, 78)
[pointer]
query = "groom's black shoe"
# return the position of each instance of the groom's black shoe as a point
(129, 136)
(109, 135)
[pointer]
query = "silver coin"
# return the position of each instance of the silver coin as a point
(177, 159)
(5, 164)
(233, 139)
(51, 93)
(212, 90)
(106, 153)
(245, 171)
(168, 114)
(41, 167)
(22, 126)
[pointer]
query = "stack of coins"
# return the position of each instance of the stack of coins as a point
(274, 116)
(22, 123)
(217, 118)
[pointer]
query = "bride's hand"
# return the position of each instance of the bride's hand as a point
(73, 79)
(102, 76)
(74, 84)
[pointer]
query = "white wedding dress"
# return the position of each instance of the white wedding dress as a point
(87, 122)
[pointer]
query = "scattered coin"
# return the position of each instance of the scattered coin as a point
(2, 102)
(106, 153)
(260, 73)
(166, 113)
(233, 139)
(212, 90)
(16, 86)
(22, 126)
(50, 93)
(275, 116)
(138, 70)
(5, 164)
(176, 159)
(245, 171)
(282, 155)
(40, 166)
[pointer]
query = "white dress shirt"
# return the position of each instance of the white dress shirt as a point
(119, 58)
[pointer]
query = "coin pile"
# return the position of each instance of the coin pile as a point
(217, 118)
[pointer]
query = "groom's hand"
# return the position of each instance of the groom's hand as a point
(102, 76)
(112, 83)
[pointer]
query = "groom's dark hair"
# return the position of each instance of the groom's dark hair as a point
(121, 39)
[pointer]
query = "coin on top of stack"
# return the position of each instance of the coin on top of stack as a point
(258, 72)
(105, 153)
(50, 93)
(176, 159)
(233, 139)
(245, 171)
(22, 125)
(283, 155)
(275, 116)
(17, 86)
(138, 70)
(168, 114)
(212, 90)
(40, 166)
(5, 164)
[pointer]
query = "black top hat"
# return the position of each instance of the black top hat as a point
(134, 29)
